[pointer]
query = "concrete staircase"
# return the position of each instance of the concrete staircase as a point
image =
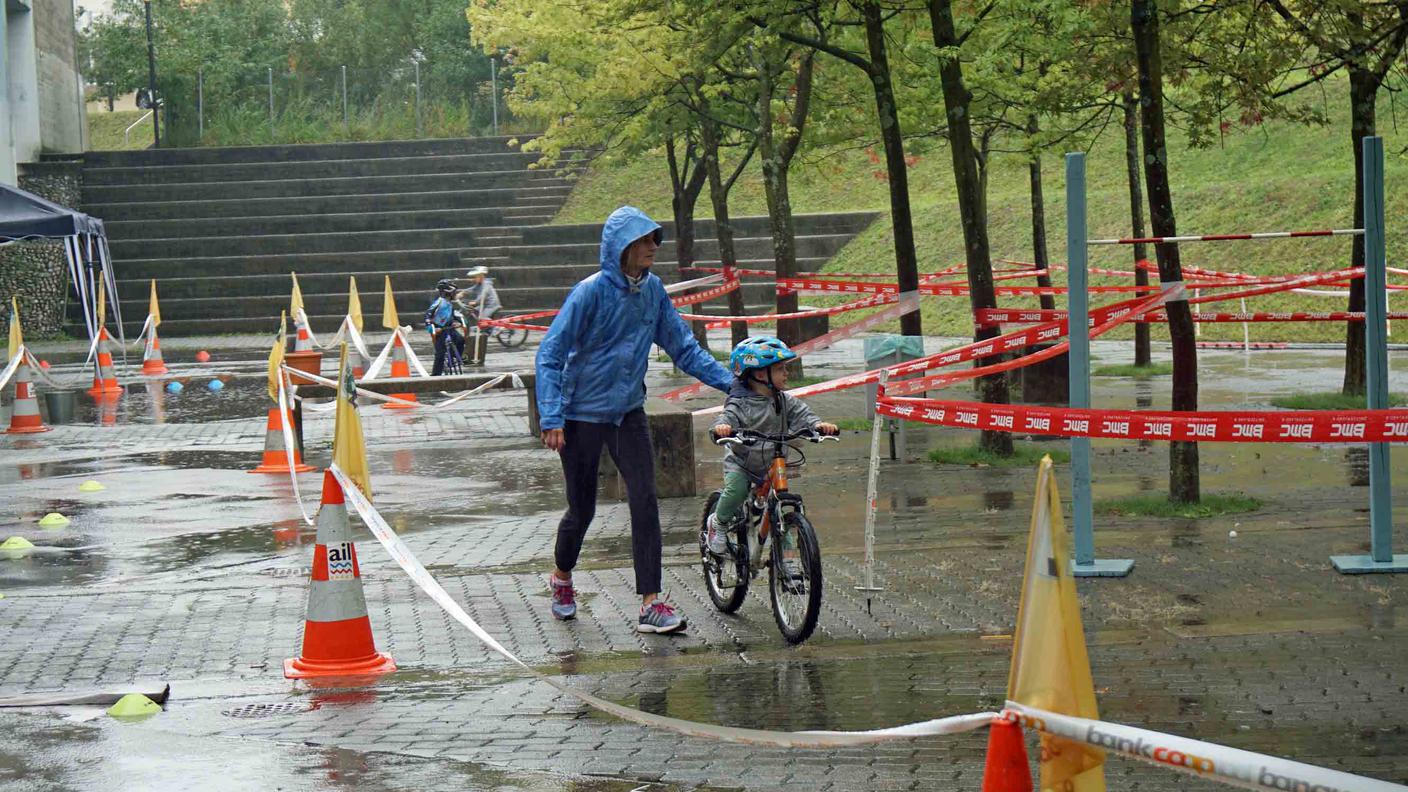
(221, 229)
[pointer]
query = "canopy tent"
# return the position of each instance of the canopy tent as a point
(25, 216)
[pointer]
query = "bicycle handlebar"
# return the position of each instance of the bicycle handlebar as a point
(748, 437)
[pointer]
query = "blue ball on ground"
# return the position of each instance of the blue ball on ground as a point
(173, 387)
(216, 385)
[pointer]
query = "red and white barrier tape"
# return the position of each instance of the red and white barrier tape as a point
(716, 322)
(516, 322)
(1293, 426)
(513, 375)
(988, 317)
(1227, 237)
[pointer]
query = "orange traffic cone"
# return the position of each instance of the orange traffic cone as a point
(152, 364)
(302, 342)
(1006, 768)
(24, 415)
(400, 367)
(104, 380)
(275, 460)
(337, 634)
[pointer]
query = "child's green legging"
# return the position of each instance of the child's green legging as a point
(730, 506)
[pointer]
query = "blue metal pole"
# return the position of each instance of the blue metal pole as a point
(1078, 322)
(1381, 557)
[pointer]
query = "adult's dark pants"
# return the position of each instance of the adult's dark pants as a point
(629, 446)
(443, 340)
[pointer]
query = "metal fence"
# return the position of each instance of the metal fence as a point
(275, 104)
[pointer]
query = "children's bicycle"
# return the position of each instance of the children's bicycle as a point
(793, 558)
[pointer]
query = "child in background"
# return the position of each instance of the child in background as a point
(444, 324)
(757, 402)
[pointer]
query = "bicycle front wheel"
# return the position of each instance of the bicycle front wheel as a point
(512, 337)
(794, 578)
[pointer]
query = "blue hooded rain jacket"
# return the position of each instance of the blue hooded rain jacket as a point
(591, 366)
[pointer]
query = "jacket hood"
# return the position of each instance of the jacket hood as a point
(624, 226)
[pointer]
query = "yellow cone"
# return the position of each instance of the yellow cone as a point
(134, 706)
(16, 543)
(53, 520)
(91, 486)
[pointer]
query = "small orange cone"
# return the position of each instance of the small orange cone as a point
(400, 367)
(275, 460)
(302, 342)
(24, 415)
(1006, 768)
(104, 380)
(152, 364)
(337, 634)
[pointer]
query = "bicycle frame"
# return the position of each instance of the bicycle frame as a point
(775, 483)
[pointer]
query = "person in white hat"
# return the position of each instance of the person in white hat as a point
(480, 298)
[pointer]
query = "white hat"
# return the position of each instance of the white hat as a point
(479, 270)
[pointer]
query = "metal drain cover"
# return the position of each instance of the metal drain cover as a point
(267, 710)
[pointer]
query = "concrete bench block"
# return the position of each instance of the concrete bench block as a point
(672, 436)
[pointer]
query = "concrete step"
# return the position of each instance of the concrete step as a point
(411, 304)
(314, 169)
(360, 261)
(497, 197)
(356, 185)
(155, 232)
(704, 249)
(303, 152)
(279, 244)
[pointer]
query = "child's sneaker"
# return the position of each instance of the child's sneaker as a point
(659, 617)
(564, 598)
(716, 539)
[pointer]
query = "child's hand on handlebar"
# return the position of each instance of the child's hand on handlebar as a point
(827, 429)
(722, 430)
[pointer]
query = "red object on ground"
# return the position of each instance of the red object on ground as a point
(202, 356)
(44, 364)
(1006, 768)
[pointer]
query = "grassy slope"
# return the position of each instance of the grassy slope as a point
(105, 130)
(1280, 177)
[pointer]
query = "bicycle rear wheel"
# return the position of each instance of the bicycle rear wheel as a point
(512, 337)
(725, 578)
(795, 587)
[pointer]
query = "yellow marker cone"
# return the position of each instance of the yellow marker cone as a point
(16, 543)
(389, 319)
(1050, 665)
(53, 520)
(134, 706)
(16, 335)
(91, 486)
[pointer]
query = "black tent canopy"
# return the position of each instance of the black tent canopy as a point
(26, 216)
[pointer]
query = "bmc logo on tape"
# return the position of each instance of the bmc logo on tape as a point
(340, 561)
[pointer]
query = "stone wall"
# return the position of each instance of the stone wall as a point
(37, 271)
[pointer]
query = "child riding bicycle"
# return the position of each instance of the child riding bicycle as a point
(756, 402)
(444, 324)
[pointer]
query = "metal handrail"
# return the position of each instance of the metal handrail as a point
(127, 132)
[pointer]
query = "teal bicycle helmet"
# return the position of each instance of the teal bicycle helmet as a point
(758, 352)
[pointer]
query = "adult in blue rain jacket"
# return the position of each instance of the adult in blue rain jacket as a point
(591, 393)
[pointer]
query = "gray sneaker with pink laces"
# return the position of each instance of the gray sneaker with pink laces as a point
(659, 617)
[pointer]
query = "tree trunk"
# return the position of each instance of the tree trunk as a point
(723, 226)
(775, 190)
(1039, 257)
(685, 197)
(1136, 218)
(906, 260)
(975, 234)
(1183, 457)
(1363, 93)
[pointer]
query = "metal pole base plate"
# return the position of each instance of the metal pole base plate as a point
(1103, 567)
(1363, 564)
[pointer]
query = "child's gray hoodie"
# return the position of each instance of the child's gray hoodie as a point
(745, 409)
